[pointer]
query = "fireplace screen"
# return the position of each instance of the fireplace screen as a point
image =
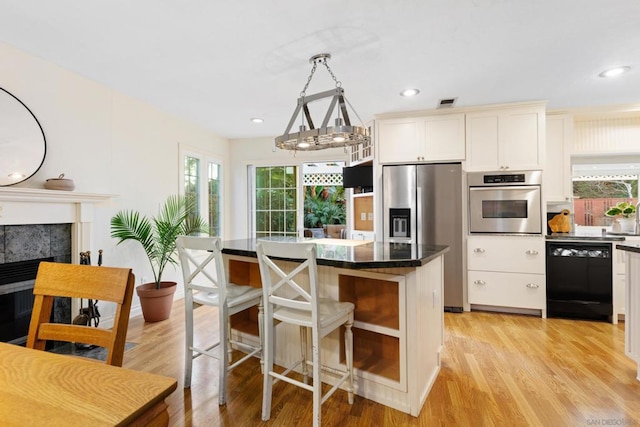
(16, 298)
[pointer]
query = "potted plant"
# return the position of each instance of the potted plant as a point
(157, 236)
(625, 214)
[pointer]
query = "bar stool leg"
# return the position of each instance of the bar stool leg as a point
(261, 334)
(303, 350)
(188, 342)
(317, 383)
(268, 355)
(348, 346)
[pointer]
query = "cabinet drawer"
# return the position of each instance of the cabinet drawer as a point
(507, 289)
(506, 254)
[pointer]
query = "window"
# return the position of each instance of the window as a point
(599, 184)
(276, 201)
(284, 202)
(201, 182)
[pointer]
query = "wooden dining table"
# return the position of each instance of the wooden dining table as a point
(42, 388)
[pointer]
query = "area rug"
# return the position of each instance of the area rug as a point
(92, 352)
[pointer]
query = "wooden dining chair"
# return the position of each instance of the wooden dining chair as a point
(108, 284)
(287, 299)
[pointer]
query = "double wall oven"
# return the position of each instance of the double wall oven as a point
(505, 202)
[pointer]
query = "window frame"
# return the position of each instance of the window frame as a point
(205, 159)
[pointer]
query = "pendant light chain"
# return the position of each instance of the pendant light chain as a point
(313, 70)
(338, 83)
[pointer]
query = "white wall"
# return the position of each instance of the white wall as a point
(107, 143)
(262, 152)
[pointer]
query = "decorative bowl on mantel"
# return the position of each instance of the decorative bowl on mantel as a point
(59, 183)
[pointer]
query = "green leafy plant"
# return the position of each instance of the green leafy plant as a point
(324, 205)
(625, 209)
(157, 235)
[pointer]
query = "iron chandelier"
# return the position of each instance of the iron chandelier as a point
(341, 134)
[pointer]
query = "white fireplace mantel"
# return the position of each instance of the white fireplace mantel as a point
(21, 206)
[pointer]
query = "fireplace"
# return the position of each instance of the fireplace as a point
(39, 225)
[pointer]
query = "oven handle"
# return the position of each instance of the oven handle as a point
(515, 187)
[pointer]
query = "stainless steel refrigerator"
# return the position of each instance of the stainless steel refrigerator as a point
(423, 205)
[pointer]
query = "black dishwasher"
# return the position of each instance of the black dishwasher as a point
(579, 280)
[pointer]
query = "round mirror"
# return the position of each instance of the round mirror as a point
(22, 142)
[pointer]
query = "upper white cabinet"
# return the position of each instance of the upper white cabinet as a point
(557, 171)
(362, 153)
(505, 138)
(421, 139)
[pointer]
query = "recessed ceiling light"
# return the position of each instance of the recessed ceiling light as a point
(410, 92)
(614, 72)
(256, 120)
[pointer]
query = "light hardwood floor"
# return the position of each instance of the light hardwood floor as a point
(497, 370)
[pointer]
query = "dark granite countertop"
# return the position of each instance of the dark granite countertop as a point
(629, 247)
(351, 253)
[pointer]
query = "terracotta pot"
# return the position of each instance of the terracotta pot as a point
(156, 303)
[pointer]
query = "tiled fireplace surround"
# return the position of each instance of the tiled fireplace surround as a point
(38, 224)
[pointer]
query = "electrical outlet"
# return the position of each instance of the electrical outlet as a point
(370, 216)
(363, 216)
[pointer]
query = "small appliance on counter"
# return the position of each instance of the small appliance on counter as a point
(561, 222)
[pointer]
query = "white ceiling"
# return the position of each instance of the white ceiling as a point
(219, 63)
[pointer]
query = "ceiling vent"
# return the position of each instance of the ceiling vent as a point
(447, 103)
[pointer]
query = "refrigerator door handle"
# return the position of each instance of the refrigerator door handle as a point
(417, 216)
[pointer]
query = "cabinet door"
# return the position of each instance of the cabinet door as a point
(507, 289)
(507, 254)
(482, 141)
(519, 139)
(399, 140)
(444, 137)
(557, 170)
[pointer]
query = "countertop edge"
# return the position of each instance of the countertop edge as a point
(356, 265)
(629, 247)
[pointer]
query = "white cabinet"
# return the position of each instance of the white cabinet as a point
(507, 271)
(421, 139)
(557, 171)
(505, 139)
(620, 278)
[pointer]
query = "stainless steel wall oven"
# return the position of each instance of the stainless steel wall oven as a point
(505, 202)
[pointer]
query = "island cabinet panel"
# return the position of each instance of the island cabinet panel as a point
(398, 327)
(376, 333)
(247, 274)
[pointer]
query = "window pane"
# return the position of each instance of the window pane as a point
(290, 222)
(262, 221)
(277, 221)
(277, 199)
(262, 177)
(277, 177)
(215, 208)
(262, 200)
(191, 179)
(290, 200)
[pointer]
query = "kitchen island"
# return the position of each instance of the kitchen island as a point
(398, 331)
(632, 301)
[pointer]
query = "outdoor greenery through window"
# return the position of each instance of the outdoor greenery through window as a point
(276, 201)
(598, 187)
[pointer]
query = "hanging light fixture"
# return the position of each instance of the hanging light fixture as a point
(308, 137)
